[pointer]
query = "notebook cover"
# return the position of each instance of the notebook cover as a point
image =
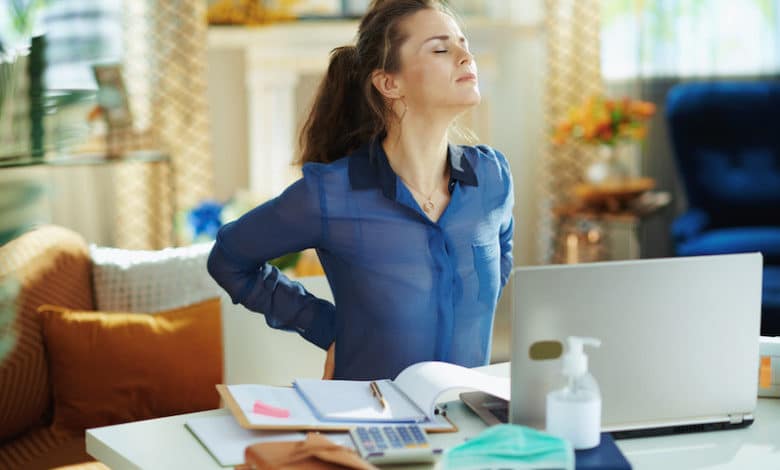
(607, 456)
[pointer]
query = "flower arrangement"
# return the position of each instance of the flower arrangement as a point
(605, 121)
(250, 12)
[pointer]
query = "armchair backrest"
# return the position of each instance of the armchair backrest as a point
(726, 141)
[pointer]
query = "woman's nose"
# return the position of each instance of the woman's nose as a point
(466, 57)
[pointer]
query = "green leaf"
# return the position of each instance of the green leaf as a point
(286, 261)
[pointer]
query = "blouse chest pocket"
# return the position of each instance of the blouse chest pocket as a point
(488, 267)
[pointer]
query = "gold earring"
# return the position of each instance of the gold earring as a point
(401, 99)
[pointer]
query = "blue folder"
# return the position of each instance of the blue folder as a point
(606, 456)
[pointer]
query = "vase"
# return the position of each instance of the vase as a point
(36, 66)
(614, 164)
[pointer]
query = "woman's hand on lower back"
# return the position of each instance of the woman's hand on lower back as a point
(330, 362)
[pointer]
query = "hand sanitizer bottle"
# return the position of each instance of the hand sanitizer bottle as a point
(574, 412)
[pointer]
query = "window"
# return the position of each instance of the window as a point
(78, 34)
(686, 38)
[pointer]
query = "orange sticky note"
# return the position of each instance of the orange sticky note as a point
(765, 372)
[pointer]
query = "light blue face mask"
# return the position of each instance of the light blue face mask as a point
(511, 447)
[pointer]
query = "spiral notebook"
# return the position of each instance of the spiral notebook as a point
(348, 400)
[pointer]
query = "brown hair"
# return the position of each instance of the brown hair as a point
(348, 111)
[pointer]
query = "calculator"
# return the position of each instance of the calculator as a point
(394, 443)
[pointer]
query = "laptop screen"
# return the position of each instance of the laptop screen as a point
(679, 337)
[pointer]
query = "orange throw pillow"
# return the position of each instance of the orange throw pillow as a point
(109, 368)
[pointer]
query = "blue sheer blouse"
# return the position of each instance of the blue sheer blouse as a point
(406, 289)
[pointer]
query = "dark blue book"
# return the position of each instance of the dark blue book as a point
(606, 456)
(493, 410)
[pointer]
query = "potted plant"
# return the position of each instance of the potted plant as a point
(21, 70)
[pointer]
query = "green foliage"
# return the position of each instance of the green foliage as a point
(9, 289)
(286, 261)
(23, 14)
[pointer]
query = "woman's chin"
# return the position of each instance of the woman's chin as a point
(470, 101)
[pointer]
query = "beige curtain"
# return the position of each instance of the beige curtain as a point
(165, 73)
(573, 73)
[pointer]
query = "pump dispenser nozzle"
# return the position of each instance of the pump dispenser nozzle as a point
(575, 362)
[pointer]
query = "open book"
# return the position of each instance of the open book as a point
(337, 405)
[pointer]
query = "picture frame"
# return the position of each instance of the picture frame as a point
(112, 95)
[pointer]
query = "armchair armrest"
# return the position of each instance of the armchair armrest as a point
(689, 224)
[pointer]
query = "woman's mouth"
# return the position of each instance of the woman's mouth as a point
(467, 77)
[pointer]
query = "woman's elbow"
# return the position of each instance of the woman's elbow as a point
(215, 265)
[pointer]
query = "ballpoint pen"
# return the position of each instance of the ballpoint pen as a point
(378, 394)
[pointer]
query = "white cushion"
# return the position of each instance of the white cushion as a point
(151, 281)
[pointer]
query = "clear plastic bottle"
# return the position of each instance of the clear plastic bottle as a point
(574, 412)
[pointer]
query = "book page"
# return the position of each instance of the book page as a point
(424, 382)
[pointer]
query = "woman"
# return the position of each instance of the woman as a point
(414, 234)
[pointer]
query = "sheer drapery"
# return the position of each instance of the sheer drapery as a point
(690, 38)
(165, 70)
(573, 73)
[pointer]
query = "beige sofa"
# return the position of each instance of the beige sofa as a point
(48, 265)
(52, 265)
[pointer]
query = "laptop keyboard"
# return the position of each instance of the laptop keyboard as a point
(497, 407)
(501, 413)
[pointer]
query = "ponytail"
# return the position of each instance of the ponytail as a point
(348, 111)
(339, 121)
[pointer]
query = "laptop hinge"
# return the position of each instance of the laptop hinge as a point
(735, 419)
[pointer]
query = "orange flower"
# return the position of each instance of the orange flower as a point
(642, 109)
(605, 121)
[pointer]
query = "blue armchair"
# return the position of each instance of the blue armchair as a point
(726, 141)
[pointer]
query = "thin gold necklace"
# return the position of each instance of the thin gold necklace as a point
(428, 206)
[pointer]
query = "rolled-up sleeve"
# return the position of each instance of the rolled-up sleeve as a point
(239, 261)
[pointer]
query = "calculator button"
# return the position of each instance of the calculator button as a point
(405, 436)
(419, 439)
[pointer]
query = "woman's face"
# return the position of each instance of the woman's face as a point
(437, 69)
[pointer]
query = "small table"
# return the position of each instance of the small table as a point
(165, 443)
(586, 233)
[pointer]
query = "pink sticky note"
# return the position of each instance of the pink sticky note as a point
(268, 410)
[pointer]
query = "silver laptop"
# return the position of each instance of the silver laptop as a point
(679, 340)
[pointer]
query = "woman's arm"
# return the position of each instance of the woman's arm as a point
(505, 238)
(506, 229)
(239, 261)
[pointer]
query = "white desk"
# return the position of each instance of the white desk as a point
(165, 443)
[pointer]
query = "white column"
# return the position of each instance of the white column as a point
(271, 96)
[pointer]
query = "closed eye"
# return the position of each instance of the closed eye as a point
(441, 52)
